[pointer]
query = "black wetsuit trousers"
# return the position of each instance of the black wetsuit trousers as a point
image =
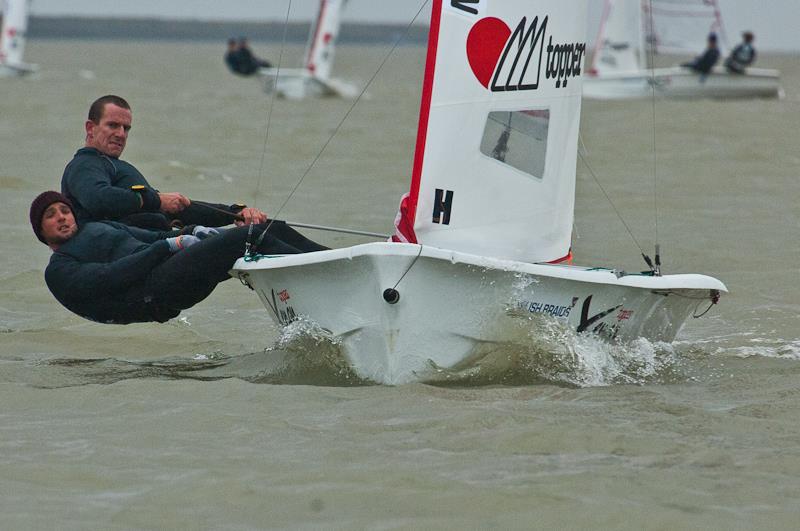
(190, 275)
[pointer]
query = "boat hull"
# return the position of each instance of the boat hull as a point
(298, 83)
(17, 70)
(451, 306)
(680, 82)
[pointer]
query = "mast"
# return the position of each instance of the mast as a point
(601, 35)
(425, 108)
(720, 27)
(646, 50)
(322, 39)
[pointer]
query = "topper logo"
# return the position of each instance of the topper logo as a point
(503, 60)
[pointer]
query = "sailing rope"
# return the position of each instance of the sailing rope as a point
(341, 122)
(608, 198)
(409, 268)
(269, 120)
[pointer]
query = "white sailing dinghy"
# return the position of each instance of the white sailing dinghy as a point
(314, 79)
(491, 204)
(12, 39)
(632, 31)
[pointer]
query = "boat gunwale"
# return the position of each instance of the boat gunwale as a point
(597, 275)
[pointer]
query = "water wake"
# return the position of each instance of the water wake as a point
(551, 352)
(547, 353)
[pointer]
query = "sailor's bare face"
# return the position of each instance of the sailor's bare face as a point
(58, 224)
(111, 133)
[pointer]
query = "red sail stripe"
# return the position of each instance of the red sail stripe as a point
(309, 65)
(425, 107)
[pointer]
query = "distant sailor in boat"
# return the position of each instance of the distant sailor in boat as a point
(742, 56)
(232, 56)
(241, 60)
(101, 186)
(705, 62)
(114, 273)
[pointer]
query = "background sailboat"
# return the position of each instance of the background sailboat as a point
(12, 39)
(492, 208)
(632, 32)
(315, 78)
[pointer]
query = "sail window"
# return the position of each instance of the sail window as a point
(518, 138)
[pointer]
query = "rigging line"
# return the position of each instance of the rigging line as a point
(272, 105)
(596, 180)
(651, 51)
(338, 229)
(239, 217)
(344, 118)
(409, 267)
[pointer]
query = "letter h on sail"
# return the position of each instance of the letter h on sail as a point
(442, 206)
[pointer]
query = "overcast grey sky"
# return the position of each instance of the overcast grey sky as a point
(775, 22)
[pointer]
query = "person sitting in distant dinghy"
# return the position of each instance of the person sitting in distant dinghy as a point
(703, 64)
(114, 273)
(232, 57)
(101, 186)
(241, 60)
(742, 56)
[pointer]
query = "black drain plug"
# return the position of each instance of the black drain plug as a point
(391, 295)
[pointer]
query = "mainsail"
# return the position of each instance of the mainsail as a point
(620, 41)
(319, 57)
(630, 30)
(681, 26)
(494, 168)
(14, 29)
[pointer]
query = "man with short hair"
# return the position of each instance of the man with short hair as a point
(241, 60)
(703, 63)
(742, 56)
(114, 273)
(232, 57)
(101, 186)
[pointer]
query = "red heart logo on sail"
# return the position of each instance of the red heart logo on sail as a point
(486, 41)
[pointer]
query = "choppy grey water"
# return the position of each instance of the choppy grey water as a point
(217, 420)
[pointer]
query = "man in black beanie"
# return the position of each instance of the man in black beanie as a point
(114, 273)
